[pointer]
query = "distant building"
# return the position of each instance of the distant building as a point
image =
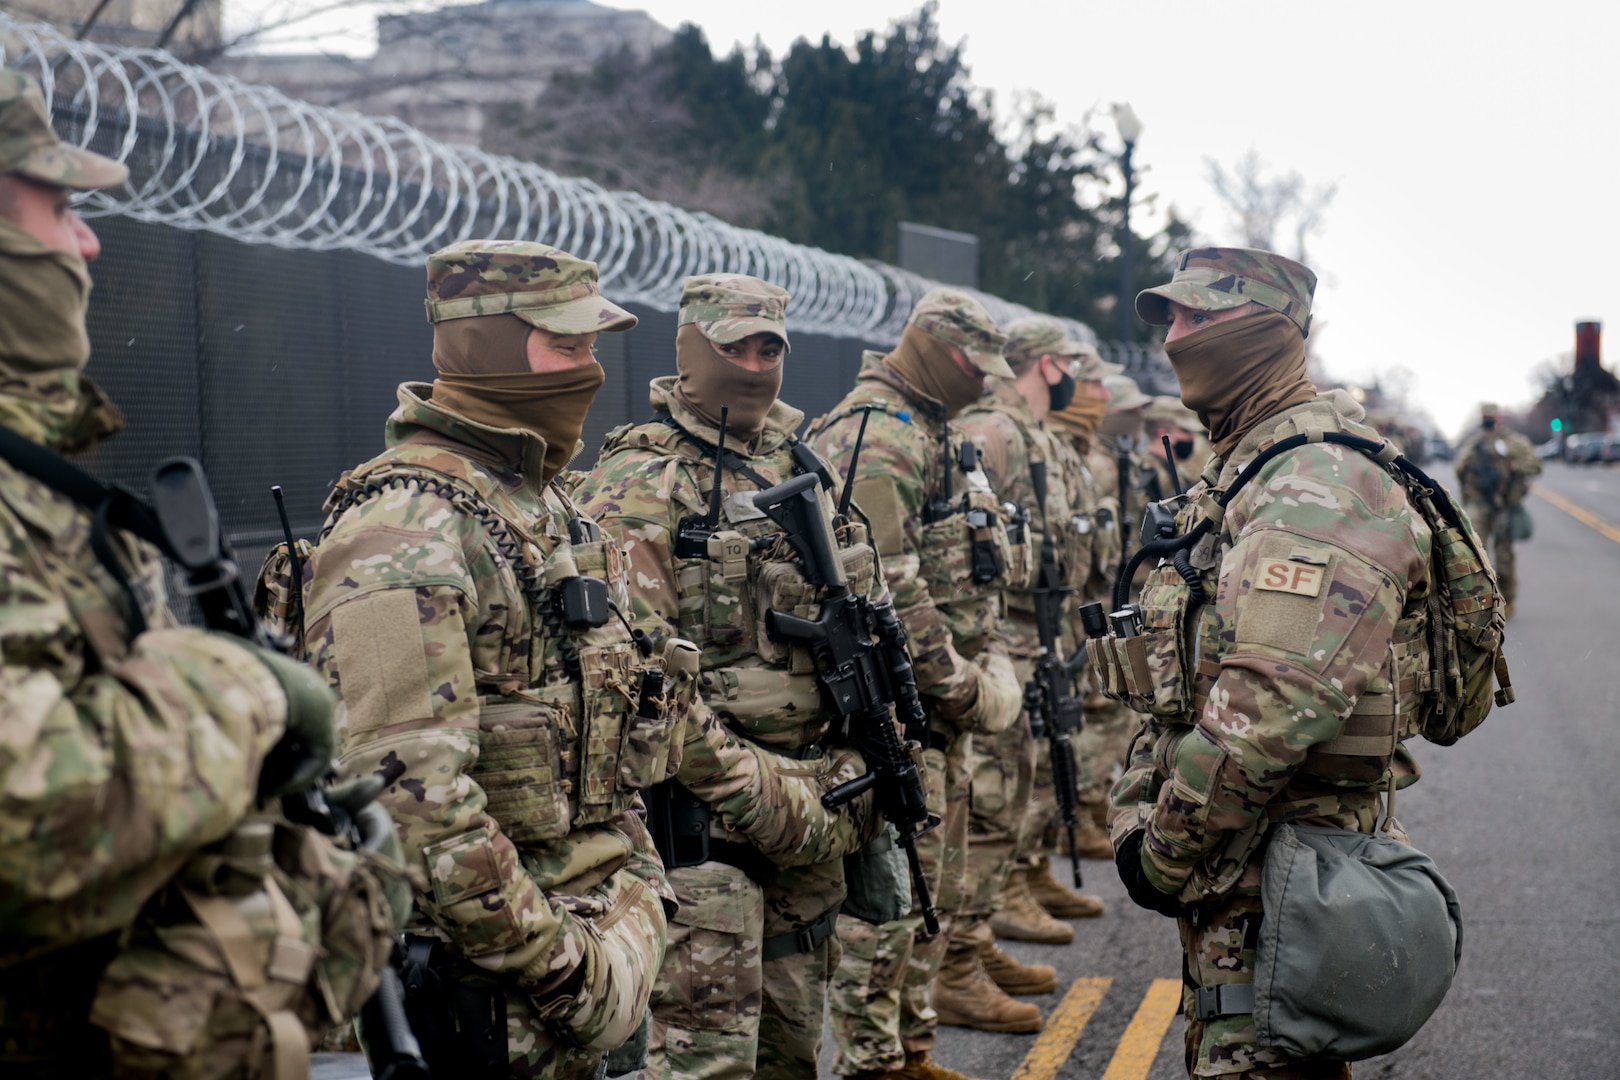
(444, 71)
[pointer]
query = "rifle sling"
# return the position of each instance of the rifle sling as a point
(111, 506)
(729, 459)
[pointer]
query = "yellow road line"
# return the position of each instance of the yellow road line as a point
(1140, 1043)
(1063, 1030)
(1579, 513)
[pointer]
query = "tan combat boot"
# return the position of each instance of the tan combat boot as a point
(1020, 918)
(1092, 841)
(1015, 977)
(1056, 898)
(964, 996)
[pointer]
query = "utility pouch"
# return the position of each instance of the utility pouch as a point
(1368, 986)
(878, 880)
(1019, 571)
(956, 552)
(611, 766)
(520, 767)
(782, 587)
(1167, 630)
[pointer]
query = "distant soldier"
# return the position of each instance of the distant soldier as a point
(478, 625)
(1109, 725)
(945, 552)
(1494, 468)
(140, 760)
(1014, 801)
(743, 987)
(1123, 433)
(1189, 447)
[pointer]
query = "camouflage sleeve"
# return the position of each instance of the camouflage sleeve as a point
(112, 780)
(1305, 610)
(891, 489)
(391, 614)
(640, 498)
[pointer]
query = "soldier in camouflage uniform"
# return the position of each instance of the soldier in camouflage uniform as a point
(1189, 446)
(137, 754)
(1494, 468)
(1109, 725)
(1013, 800)
(743, 987)
(1319, 580)
(934, 520)
(476, 624)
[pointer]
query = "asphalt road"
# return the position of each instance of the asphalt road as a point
(1520, 816)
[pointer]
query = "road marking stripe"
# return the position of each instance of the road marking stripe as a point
(1579, 513)
(1063, 1029)
(1140, 1043)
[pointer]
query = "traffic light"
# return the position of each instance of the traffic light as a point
(1556, 424)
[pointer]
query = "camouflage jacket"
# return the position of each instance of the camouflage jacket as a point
(1494, 469)
(950, 618)
(510, 741)
(1097, 470)
(120, 758)
(1319, 579)
(652, 476)
(1010, 439)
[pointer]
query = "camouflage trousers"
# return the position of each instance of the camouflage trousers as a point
(1000, 806)
(720, 1010)
(1495, 529)
(1101, 748)
(1219, 950)
(880, 1004)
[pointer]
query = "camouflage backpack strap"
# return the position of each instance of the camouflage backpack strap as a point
(804, 459)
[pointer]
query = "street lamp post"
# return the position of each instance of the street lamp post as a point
(1130, 129)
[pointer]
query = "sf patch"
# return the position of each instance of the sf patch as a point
(1288, 576)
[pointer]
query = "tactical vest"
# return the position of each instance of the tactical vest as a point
(573, 720)
(969, 549)
(766, 690)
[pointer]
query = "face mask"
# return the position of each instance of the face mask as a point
(551, 405)
(1183, 448)
(44, 296)
(708, 381)
(928, 366)
(1061, 392)
(1488, 423)
(1238, 373)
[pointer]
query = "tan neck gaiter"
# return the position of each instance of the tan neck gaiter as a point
(708, 381)
(552, 405)
(484, 345)
(1082, 418)
(1236, 374)
(44, 296)
(927, 366)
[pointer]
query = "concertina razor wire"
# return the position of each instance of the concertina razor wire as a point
(209, 152)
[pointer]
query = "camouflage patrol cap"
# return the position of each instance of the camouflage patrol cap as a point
(1124, 394)
(29, 146)
(1217, 279)
(1035, 336)
(1167, 410)
(729, 307)
(1093, 368)
(956, 318)
(544, 286)
(1489, 408)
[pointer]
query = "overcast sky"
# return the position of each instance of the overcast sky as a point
(1473, 147)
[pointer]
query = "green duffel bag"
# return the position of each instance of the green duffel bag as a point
(1521, 524)
(1359, 943)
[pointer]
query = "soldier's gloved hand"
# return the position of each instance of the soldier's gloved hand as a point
(1128, 861)
(304, 752)
(1000, 698)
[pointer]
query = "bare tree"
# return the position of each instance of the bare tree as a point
(1266, 207)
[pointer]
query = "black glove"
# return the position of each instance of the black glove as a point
(1128, 861)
